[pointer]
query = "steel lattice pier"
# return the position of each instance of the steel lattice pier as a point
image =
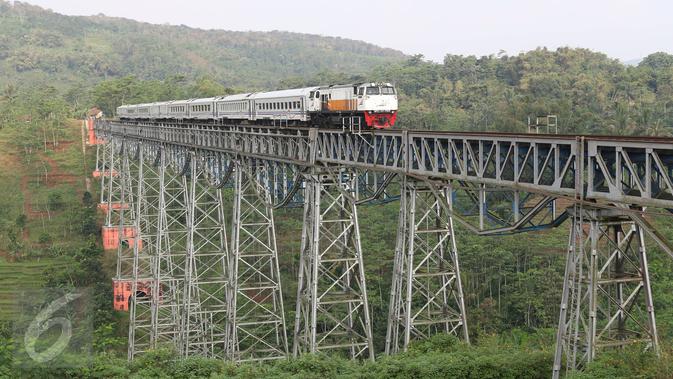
(192, 286)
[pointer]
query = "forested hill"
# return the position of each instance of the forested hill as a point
(40, 46)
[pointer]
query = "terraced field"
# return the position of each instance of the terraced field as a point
(41, 187)
(17, 277)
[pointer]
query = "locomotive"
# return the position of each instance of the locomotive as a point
(370, 104)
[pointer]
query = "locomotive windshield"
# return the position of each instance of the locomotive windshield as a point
(373, 90)
(384, 90)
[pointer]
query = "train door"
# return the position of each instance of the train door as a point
(324, 102)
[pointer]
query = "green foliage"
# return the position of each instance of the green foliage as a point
(628, 363)
(55, 200)
(21, 220)
(44, 238)
(39, 46)
(589, 92)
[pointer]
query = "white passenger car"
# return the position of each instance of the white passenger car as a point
(373, 103)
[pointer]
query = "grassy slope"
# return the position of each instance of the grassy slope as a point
(47, 237)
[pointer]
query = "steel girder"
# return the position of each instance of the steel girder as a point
(626, 172)
(637, 171)
(256, 328)
(332, 312)
(607, 299)
(426, 296)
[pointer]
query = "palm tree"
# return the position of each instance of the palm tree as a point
(658, 129)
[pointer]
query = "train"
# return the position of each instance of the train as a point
(373, 105)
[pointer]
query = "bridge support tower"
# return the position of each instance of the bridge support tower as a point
(332, 311)
(143, 248)
(607, 299)
(256, 329)
(204, 309)
(426, 295)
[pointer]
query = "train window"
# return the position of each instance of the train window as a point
(372, 90)
(311, 94)
(387, 90)
(317, 94)
(361, 91)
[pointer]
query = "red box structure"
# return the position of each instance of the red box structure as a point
(91, 134)
(106, 173)
(122, 290)
(110, 236)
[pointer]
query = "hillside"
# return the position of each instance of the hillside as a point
(40, 46)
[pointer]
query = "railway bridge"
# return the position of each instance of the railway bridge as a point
(206, 287)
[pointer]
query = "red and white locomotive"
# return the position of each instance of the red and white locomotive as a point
(371, 104)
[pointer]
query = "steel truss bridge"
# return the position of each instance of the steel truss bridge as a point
(214, 290)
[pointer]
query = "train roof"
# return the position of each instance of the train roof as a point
(238, 96)
(260, 95)
(357, 85)
(283, 93)
(202, 100)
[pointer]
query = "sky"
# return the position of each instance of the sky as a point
(623, 29)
